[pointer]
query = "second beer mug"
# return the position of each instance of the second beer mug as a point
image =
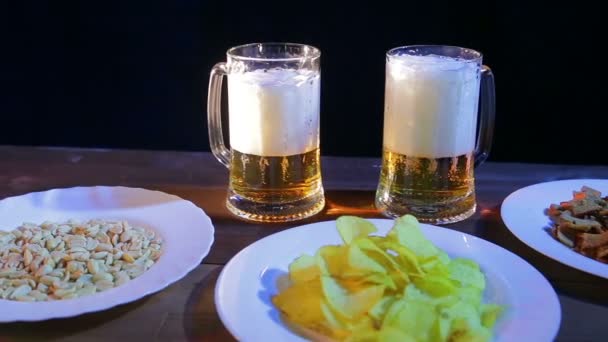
(431, 140)
(273, 109)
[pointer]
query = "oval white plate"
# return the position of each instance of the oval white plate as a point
(246, 284)
(186, 230)
(523, 212)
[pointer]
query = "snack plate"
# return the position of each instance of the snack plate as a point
(523, 212)
(187, 234)
(247, 283)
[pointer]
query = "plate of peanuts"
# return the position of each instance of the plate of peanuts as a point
(66, 252)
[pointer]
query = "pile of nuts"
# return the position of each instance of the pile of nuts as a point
(54, 261)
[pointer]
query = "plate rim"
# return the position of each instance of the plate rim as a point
(519, 233)
(223, 274)
(106, 305)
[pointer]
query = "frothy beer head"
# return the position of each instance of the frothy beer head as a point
(430, 105)
(274, 112)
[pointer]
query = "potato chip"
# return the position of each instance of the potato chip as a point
(386, 260)
(362, 263)
(301, 303)
(435, 285)
(355, 283)
(467, 273)
(390, 334)
(412, 316)
(489, 314)
(407, 232)
(350, 304)
(335, 328)
(303, 269)
(378, 311)
(398, 287)
(405, 258)
(331, 259)
(352, 227)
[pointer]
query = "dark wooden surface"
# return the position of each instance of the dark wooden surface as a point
(186, 311)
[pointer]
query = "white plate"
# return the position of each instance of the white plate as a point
(246, 284)
(523, 212)
(186, 231)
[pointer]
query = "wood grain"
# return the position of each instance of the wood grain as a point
(186, 311)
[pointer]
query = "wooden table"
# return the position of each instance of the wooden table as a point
(186, 311)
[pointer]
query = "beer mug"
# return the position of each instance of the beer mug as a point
(431, 139)
(273, 124)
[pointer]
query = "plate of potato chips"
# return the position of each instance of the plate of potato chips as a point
(383, 280)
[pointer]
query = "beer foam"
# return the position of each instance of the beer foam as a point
(430, 106)
(274, 112)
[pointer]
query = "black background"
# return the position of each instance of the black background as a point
(132, 74)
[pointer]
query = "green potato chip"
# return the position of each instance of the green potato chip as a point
(389, 262)
(467, 273)
(470, 295)
(489, 314)
(404, 257)
(378, 311)
(465, 316)
(391, 334)
(360, 261)
(434, 266)
(436, 285)
(412, 316)
(407, 232)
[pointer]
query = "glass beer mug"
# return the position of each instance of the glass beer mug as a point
(432, 141)
(273, 117)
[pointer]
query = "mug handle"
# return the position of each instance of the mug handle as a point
(214, 114)
(487, 112)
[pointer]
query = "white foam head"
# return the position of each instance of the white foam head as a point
(274, 112)
(430, 106)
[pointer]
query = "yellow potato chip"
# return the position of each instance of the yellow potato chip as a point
(356, 283)
(331, 259)
(352, 227)
(304, 268)
(350, 304)
(363, 331)
(301, 303)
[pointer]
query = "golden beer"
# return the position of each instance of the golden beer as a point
(275, 188)
(432, 137)
(273, 119)
(437, 190)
